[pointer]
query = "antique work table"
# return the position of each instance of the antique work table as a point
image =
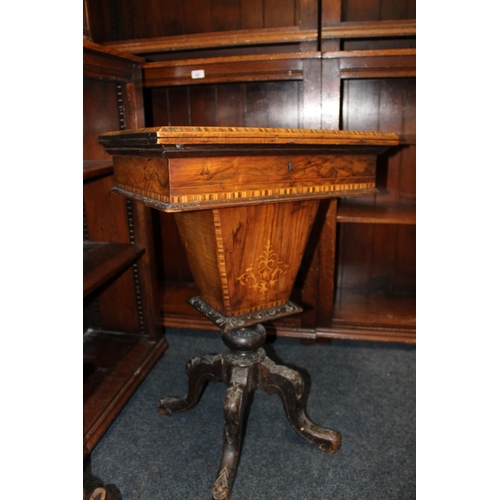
(244, 201)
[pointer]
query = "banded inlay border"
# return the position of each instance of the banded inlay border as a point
(221, 260)
(253, 193)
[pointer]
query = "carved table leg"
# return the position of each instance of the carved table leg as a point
(234, 411)
(199, 370)
(245, 367)
(289, 384)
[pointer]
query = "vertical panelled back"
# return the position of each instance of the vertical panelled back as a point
(131, 19)
(376, 10)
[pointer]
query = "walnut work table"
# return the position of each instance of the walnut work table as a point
(244, 201)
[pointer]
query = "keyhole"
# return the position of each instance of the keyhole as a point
(289, 166)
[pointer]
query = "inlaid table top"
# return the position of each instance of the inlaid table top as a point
(180, 136)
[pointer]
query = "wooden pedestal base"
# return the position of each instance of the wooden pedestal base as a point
(245, 367)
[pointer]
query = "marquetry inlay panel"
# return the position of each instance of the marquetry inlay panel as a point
(266, 271)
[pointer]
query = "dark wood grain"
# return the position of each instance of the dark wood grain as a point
(370, 29)
(106, 220)
(103, 261)
(377, 10)
(114, 366)
(97, 168)
(227, 69)
(368, 212)
(217, 39)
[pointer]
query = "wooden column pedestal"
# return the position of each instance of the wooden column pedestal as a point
(244, 201)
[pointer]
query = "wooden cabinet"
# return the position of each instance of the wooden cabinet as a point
(347, 64)
(122, 337)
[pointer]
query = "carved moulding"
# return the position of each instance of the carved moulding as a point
(226, 323)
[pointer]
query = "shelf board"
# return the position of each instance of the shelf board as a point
(216, 39)
(97, 168)
(248, 68)
(103, 261)
(387, 63)
(264, 36)
(363, 308)
(110, 51)
(114, 366)
(371, 29)
(370, 212)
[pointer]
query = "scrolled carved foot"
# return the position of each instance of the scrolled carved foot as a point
(199, 370)
(221, 489)
(166, 404)
(234, 410)
(289, 384)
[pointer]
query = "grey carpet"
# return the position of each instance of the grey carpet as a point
(364, 390)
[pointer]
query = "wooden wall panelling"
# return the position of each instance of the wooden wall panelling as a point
(278, 13)
(231, 101)
(309, 21)
(118, 20)
(252, 14)
(257, 105)
(403, 278)
(378, 10)
(367, 24)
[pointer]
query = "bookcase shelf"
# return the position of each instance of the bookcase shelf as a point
(104, 261)
(96, 168)
(371, 212)
(113, 367)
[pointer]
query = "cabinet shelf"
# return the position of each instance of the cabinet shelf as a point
(103, 261)
(372, 315)
(390, 63)
(275, 67)
(265, 36)
(96, 168)
(370, 29)
(114, 366)
(369, 212)
(387, 63)
(216, 39)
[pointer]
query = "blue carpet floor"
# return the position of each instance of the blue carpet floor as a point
(366, 391)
